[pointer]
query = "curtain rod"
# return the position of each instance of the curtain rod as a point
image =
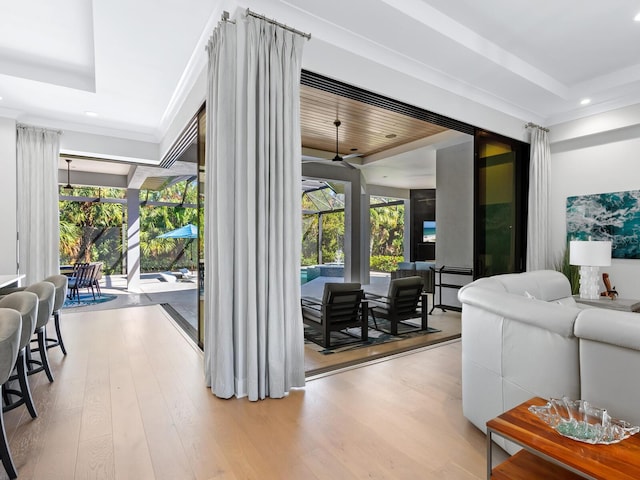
(533, 125)
(37, 127)
(225, 18)
(274, 22)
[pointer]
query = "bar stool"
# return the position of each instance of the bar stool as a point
(26, 303)
(10, 331)
(46, 293)
(60, 282)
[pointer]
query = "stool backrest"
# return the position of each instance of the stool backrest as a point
(60, 282)
(26, 303)
(46, 293)
(10, 331)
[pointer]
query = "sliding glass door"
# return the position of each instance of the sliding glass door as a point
(501, 189)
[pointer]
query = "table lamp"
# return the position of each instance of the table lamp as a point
(589, 255)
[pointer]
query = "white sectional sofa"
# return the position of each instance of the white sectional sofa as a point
(523, 335)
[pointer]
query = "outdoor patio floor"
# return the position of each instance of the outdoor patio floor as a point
(182, 296)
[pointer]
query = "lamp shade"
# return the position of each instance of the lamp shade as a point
(590, 253)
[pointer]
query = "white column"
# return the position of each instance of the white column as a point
(365, 238)
(133, 240)
(406, 243)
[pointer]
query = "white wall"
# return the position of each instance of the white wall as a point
(8, 257)
(102, 146)
(587, 160)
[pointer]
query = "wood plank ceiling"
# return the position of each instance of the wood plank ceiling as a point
(364, 129)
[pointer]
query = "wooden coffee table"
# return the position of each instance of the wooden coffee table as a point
(548, 455)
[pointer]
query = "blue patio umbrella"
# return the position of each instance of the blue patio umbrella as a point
(188, 231)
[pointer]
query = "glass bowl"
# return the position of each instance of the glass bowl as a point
(581, 421)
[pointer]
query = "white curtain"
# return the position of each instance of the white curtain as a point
(538, 234)
(38, 151)
(253, 329)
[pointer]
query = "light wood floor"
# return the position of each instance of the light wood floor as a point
(129, 402)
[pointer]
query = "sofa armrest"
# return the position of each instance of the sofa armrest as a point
(546, 315)
(609, 326)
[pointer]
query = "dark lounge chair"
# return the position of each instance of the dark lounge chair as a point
(405, 299)
(342, 307)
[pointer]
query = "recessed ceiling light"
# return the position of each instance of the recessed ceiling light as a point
(391, 135)
(90, 114)
(585, 101)
(637, 17)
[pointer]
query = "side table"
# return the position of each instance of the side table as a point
(548, 455)
(622, 304)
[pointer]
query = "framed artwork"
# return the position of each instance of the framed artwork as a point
(607, 216)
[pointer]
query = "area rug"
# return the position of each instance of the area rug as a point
(349, 339)
(87, 299)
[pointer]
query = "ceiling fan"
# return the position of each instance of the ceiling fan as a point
(338, 157)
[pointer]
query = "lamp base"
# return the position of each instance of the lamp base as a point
(589, 283)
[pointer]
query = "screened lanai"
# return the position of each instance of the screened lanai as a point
(323, 212)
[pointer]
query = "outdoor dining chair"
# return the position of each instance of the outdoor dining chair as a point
(82, 278)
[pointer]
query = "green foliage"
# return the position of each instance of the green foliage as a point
(386, 241)
(384, 263)
(387, 230)
(309, 240)
(332, 236)
(93, 230)
(572, 272)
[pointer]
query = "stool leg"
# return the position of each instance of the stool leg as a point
(5, 453)
(24, 383)
(5, 395)
(42, 349)
(56, 320)
(36, 366)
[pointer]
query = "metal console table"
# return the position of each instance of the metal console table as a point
(440, 285)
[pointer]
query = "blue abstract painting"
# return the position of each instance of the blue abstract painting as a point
(607, 216)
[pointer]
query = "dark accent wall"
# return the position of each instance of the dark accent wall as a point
(422, 207)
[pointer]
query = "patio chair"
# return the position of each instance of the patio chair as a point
(82, 278)
(186, 275)
(96, 276)
(342, 306)
(405, 300)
